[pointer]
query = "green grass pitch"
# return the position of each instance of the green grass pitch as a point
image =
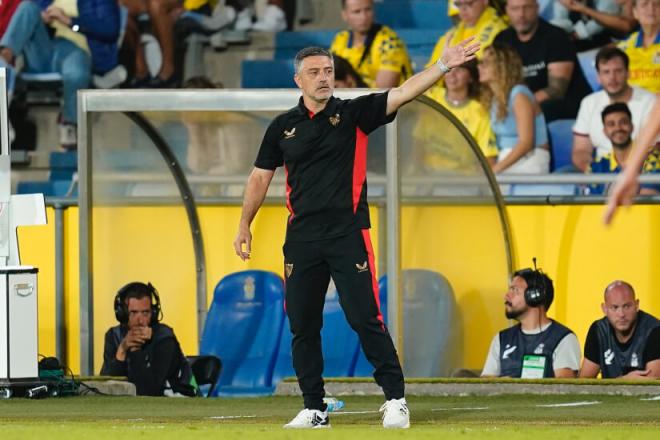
(511, 417)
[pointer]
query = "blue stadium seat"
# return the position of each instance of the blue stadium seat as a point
(587, 62)
(429, 14)
(63, 165)
(274, 74)
(287, 44)
(561, 142)
(428, 309)
(543, 190)
(545, 9)
(243, 328)
(49, 188)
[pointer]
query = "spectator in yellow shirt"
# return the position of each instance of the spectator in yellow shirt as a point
(375, 51)
(643, 46)
(461, 97)
(478, 20)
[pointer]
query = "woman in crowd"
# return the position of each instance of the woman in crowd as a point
(516, 119)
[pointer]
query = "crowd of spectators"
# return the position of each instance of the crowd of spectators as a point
(520, 91)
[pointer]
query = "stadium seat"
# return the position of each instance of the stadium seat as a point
(273, 74)
(561, 142)
(543, 190)
(287, 44)
(545, 9)
(243, 328)
(428, 14)
(587, 62)
(428, 309)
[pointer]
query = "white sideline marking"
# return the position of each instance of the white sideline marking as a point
(459, 409)
(232, 417)
(652, 398)
(559, 405)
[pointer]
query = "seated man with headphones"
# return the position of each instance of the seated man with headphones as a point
(537, 346)
(143, 349)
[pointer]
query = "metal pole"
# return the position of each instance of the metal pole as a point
(60, 326)
(394, 293)
(85, 245)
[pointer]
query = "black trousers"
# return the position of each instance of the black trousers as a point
(350, 262)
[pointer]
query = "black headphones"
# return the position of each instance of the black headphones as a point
(121, 309)
(539, 291)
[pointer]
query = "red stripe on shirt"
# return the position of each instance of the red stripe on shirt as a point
(288, 195)
(359, 166)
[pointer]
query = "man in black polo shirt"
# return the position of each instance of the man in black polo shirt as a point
(626, 342)
(322, 143)
(550, 66)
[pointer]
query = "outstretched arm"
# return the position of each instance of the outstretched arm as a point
(255, 192)
(626, 185)
(416, 85)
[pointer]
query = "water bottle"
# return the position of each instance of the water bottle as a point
(333, 404)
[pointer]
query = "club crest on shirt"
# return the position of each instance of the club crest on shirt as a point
(361, 267)
(334, 120)
(290, 134)
(288, 269)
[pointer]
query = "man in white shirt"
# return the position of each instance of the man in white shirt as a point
(537, 346)
(613, 73)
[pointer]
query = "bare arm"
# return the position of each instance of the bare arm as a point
(653, 368)
(626, 185)
(589, 369)
(582, 152)
(524, 112)
(625, 22)
(255, 192)
(563, 373)
(419, 83)
(386, 79)
(559, 77)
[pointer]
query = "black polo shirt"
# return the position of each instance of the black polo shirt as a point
(325, 160)
(549, 44)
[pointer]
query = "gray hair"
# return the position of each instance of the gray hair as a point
(310, 52)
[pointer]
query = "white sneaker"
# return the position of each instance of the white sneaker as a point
(243, 20)
(309, 419)
(273, 20)
(396, 414)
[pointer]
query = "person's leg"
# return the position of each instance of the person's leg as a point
(75, 65)
(352, 267)
(28, 35)
(162, 20)
(307, 280)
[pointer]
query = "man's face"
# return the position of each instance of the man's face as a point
(523, 15)
(139, 312)
(613, 76)
(359, 15)
(618, 128)
(316, 78)
(470, 10)
(647, 12)
(621, 308)
(514, 300)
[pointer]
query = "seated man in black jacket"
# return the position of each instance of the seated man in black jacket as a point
(143, 349)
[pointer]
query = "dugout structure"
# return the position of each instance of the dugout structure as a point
(161, 171)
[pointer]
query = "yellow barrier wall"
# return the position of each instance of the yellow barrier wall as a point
(569, 242)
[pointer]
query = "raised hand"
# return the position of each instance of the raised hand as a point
(463, 52)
